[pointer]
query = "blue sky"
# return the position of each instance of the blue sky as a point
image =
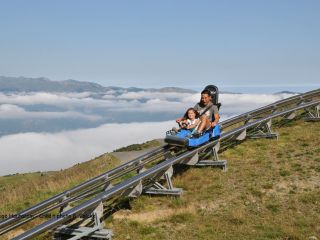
(163, 43)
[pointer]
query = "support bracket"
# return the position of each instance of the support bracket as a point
(264, 130)
(313, 116)
(209, 159)
(66, 206)
(242, 135)
(95, 232)
(158, 189)
(212, 159)
(290, 115)
(134, 191)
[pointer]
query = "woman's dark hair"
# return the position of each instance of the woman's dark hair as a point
(191, 109)
(206, 91)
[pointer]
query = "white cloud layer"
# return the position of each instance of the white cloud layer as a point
(9, 111)
(31, 152)
(80, 104)
(234, 104)
(50, 151)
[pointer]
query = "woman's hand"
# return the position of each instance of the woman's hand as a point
(213, 124)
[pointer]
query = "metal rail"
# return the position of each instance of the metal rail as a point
(151, 174)
(64, 197)
(276, 106)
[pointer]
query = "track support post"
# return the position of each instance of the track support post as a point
(313, 115)
(211, 159)
(66, 206)
(158, 189)
(97, 231)
(264, 130)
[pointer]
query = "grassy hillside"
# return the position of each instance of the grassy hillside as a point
(138, 147)
(20, 191)
(271, 191)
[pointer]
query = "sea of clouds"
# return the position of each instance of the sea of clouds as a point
(52, 131)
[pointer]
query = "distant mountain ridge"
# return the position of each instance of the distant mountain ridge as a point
(287, 92)
(41, 84)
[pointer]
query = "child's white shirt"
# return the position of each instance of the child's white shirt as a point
(190, 122)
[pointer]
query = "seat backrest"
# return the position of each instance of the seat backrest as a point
(214, 92)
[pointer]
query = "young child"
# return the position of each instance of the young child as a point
(191, 120)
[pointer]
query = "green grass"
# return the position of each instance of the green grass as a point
(20, 191)
(137, 147)
(271, 191)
